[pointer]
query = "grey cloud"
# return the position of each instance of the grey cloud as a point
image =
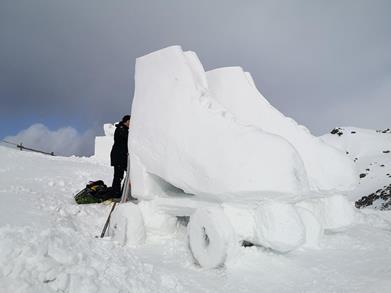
(65, 141)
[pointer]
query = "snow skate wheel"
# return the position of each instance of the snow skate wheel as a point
(210, 236)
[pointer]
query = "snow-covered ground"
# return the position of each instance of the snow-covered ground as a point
(48, 244)
(370, 150)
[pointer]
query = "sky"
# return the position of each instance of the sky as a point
(67, 67)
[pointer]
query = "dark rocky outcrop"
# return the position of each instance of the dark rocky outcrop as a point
(381, 199)
(337, 131)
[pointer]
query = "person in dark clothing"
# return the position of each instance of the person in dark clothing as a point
(119, 153)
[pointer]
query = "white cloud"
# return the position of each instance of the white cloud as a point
(64, 141)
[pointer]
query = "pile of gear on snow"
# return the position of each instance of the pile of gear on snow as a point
(94, 192)
(381, 199)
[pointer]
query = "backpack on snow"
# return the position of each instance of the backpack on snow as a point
(95, 192)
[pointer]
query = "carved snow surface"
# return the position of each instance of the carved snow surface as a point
(208, 147)
(214, 133)
(236, 91)
(181, 134)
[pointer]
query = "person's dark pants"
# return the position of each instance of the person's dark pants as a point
(118, 176)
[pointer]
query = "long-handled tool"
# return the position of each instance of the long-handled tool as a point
(107, 221)
(125, 190)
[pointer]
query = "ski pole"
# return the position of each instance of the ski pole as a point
(107, 222)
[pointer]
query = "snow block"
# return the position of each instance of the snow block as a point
(109, 129)
(102, 151)
(103, 144)
(127, 224)
(182, 134)
(242, 219)
(313, 228)
(333, 212)
(279, 226)
(156, 221)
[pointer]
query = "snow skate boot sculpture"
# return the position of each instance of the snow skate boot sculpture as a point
(191, 156)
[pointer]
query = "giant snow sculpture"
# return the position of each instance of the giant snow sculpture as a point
(208, 146)
(182, 134)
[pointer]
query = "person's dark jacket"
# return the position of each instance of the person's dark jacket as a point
(119, 152)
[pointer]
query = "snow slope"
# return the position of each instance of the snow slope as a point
(371, 152)
(48, 244)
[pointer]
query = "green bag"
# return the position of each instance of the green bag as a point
(95, 192)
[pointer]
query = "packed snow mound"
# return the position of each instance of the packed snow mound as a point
(327, 168)
(182, 134)
(370, 150)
